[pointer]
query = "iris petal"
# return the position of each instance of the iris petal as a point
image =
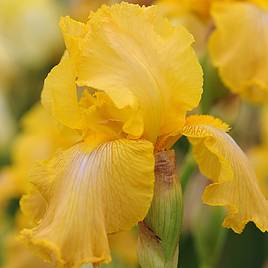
(59, 95)
(89, 194)
(154, 71)
(234, 182)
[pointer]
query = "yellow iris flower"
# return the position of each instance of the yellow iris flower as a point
(125, 83)
(242, 61)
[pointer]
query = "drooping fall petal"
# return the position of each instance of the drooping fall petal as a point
(234, 182)
(242, 61)
(89, 194)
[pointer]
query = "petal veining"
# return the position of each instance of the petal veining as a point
(89, 194)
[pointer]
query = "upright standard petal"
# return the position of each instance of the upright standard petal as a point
(234, 182)
(89, 194)
(242, 61)
(59, 95)
(73, 31)
(137, 58)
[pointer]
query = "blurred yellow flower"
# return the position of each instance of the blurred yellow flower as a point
(242, 61)
(41, 136)
(200, 8)
(126, 92)
(192, 14)
(25, 26)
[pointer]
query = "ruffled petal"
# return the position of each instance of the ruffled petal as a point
(89, 194)
(73, 31)
(234, 182)
(154, 71)
(104, 117)
(242, 61)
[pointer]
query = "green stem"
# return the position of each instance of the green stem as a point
(160, 230)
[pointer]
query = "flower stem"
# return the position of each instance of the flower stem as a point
(159, 232)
